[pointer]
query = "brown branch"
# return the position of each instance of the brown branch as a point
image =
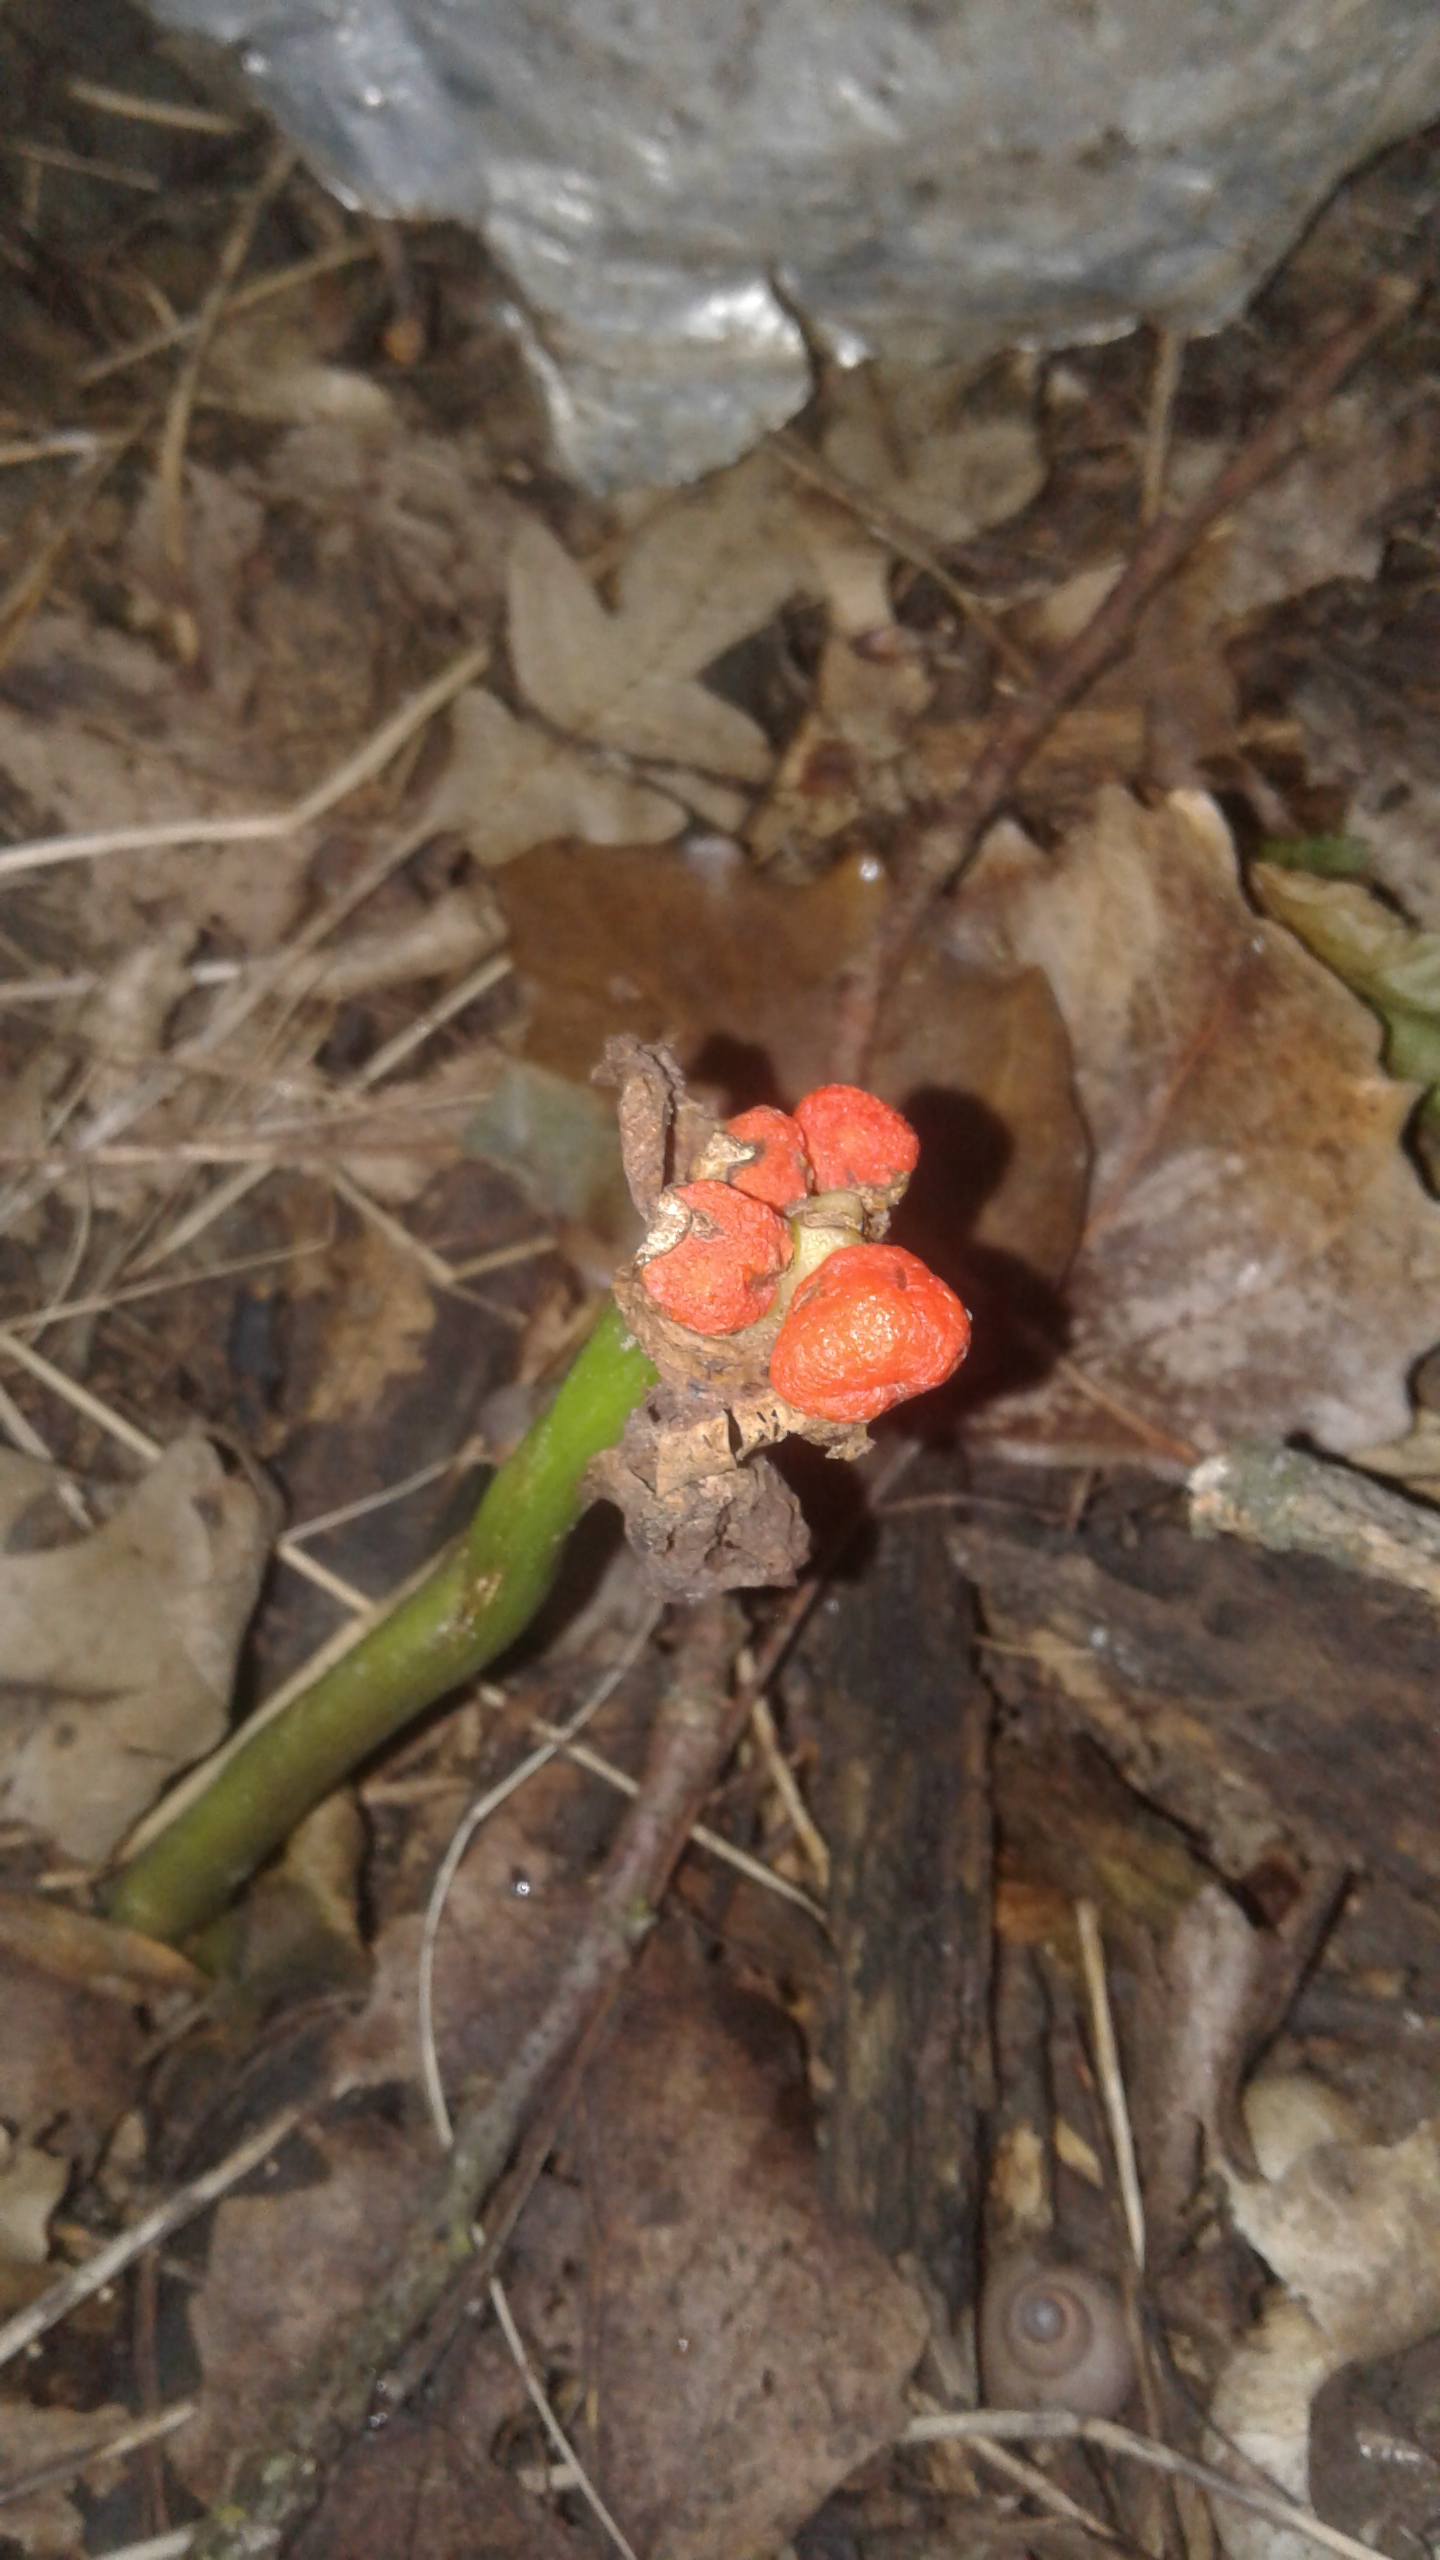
(697, 1728)
(949, 833)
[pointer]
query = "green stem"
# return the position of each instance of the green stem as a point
(476, 1599)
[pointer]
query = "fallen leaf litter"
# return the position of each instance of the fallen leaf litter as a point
(253, 1016)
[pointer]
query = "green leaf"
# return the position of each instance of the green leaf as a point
(1395, 966)
(1332, 857)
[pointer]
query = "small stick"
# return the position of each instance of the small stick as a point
(83, 2282)
(950, 832)
(907, 539)
(695, 1732)
(713, 1842)
(1060, 2425)
(782, 1778)
(109, 173)
(161, 2546)
(470, 1822)
(1029, 2477)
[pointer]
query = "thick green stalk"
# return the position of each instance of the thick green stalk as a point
(478, 1597)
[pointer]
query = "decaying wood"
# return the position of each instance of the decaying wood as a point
(904, 1805)
(1258, 1699)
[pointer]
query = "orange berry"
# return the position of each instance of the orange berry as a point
(722, 1273)
(869, 1328)
(855, 1141)
(780, 1173)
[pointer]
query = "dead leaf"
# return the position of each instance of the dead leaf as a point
(70, 2060)
(283, 2267)
(510, 785)
(560, 1142)
(746, 2348)
(1259, 1257)
(419, 2489)
(119, 1648)
(738, 973)
(1352, 2230)
(703, 572)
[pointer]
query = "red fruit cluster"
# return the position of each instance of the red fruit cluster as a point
(872, 1325)
(855, 1141)
(722, 1274)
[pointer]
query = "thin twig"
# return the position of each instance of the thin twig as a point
(161, 2546)
(1037, 2485)
(470, 1822)
(246, 297)
(782, 1778)
(1112, 2084)
(714, 1843)
(1155, 453)
(695, 1732)
(68, 2466)
(83, 2282)
(265, 826)
(1061, 2425)
(949, 833)
(900, 535)
(106, 173)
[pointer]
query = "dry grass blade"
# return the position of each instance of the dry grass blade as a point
(974, 2425)
(51, 2475)
(140, 1445)
(268, 825)
(247, 297)
(712, 1842)
(179, 118)
(169, 468)
(549, 2421)
(1112, 2084)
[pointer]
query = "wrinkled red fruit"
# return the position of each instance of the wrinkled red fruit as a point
(780, 1173)
(869, 1328)
(722, 1275)
(854, 1141)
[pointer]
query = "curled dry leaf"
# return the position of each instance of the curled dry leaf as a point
(1353, 2232)
(1258, 1256)
(119, 1649)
